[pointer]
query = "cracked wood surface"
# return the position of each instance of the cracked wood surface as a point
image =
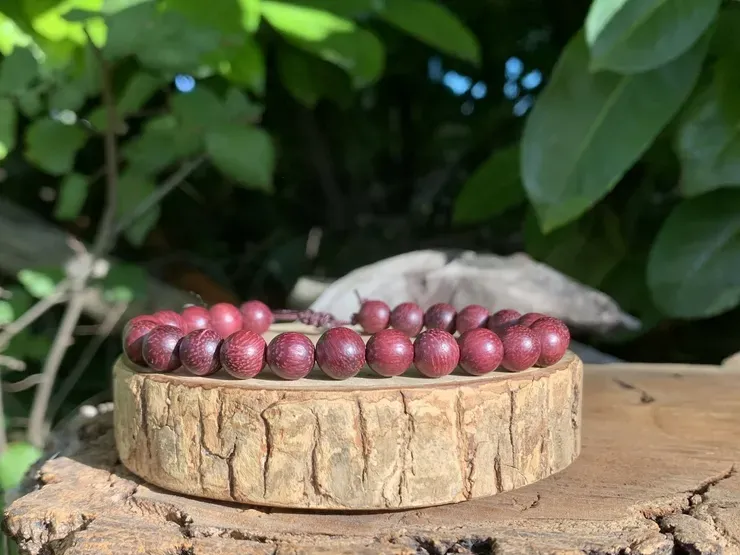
(655, 476)
(367, 443)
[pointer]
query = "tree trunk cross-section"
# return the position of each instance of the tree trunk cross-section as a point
(366, 443)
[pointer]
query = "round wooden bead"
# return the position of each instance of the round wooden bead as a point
(195, 318)
(436, 353)
(169, 318)
(290, 355)
(500, 318)
(256, 316)
(471, 317)
(134, 334)
(521, 348)
(530, 318)
(160, 348)
(554, 338)
(199, 352)
(440, 316)
(225, 319)
(243, 354)
(407, 318)
(373, 316)
(481, 351)
(389, 352)
(340, 353)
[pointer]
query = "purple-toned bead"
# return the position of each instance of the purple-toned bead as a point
(243, 354)
(373, 316)
(340, 353)
(554, 338)
(256, 316)
(471, 317)
(521, 348)
(134, 334)
(290, 355)
(481, 351)
(160, 349)
(436, 353)
(199, 352)
(502, 318)
(195, 318)
(407, 318)
(389, 352)
(530, 318)
(440, 316)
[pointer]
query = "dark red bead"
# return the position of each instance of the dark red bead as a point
(389, 352)
(340, 353)
(481, 351)
(133, 338)
(440, 316)
(500, 318)
(199, 352)
(521, 348)
(436, 353)
(195, 318)
(529, 318)
(256, 316)
(225, 319)
(373, 316)
(160, 349)
(169, 318)
(290, 355)
(471, 317)
(554, 338)
(407, 318)
(243, 354)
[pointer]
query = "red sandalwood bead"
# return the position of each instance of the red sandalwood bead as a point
(407, 318)
(481, 351)
(169, 318)
(440, 316)
(436, 353)
(290, 355)
(503, 317)
(530, 318)
(133, 338)
(243, 354)
(199, 352)
(195, 318)
(521, 348)
(340, 353)
(373, 316)
(256, 316)
(160, 348)
(389, 352)
(225, 319)
(471, 317)
(554, 338)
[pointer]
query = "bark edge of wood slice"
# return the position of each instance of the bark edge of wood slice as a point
(362, 444)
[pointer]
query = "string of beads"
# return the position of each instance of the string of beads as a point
(203, 341)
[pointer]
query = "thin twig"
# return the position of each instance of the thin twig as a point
(12, 363)
(33, 314)
(3, 436)
(26, 383)
(104, 330)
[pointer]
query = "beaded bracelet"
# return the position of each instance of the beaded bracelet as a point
(202, 341)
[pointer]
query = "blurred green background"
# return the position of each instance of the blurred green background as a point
(252, 142)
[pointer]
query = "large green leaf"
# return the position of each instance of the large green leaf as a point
(52, 146)
(492, 189)
(309, 79)
(631, 36)
(332, 38)
(17, 71)
(708, 140)
(8, 121)
(11, 35)
(50, 22)
(432, 23)
(587, 129)
(243, 152)
(245, 65)
(72, 196)
(226, 17)
(163, 142)
(693, 269)
(251, 14)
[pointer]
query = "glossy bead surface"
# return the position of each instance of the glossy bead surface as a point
(290, 355)
(407, 318)
(256, 316)
(199, 352)
(389, 352)
(471, 317)
(440, 316)
(243, 354)
(160, 348)
(340, 353)
(373, 316)
(530, 318)
(554, 338)
(169, 318)
(133, 338)
(436, 353)
(195, 318)
(521, 348)
(503, 317)
(225, 319)
(481, 351)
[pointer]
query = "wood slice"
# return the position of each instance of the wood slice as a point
(367, 443)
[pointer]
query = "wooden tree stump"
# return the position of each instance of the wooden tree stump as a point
(656, 476)
(366, 443)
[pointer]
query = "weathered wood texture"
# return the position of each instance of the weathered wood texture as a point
(655, 476)
(366, 443)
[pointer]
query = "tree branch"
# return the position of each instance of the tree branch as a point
(33, 314)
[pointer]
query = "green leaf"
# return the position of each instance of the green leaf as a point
(226, 17)
(251, 14)
(140, 87)
(17, 72)
(632, 36)
(72, 196)
(492, 189)
(434, 25)
(239, 109)
(8, 122)
(7, 314)
(11, 36)
(692, 268)
(708, 142)
(724, 39)
(69, 95)
(29, 103)
(299, 78)
(332, 38)
(244, 153)
(245, 65)
(38, 284)
(133, 188)
(52, 146)
(587, 129)
(124, 283)
(15, 462)
(49, 21)
(162, 143)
